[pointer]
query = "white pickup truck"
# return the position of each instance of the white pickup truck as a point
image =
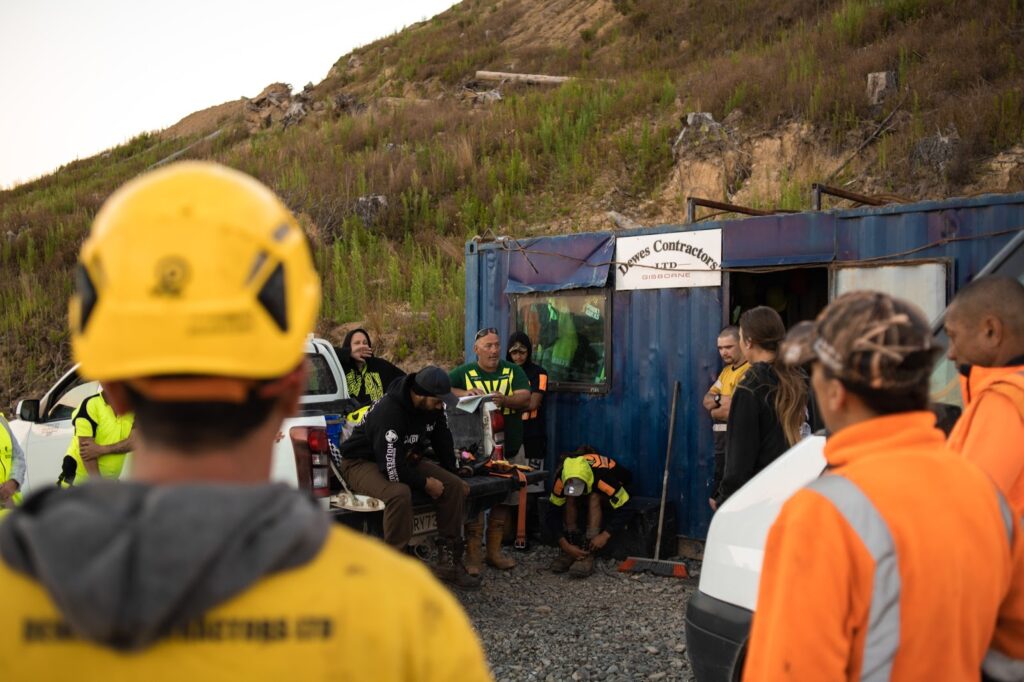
(43, 427)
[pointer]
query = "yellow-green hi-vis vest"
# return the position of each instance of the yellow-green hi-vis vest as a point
(502, 385)
(7, 464)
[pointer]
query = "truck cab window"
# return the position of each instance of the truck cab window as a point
(321, 380)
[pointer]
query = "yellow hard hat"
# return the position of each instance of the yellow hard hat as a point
(193, 269)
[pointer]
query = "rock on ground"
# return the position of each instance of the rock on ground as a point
(612, 626)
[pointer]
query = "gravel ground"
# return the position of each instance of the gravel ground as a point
(612, 626)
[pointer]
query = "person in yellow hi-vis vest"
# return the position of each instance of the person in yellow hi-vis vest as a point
(12, 468)
(102, 440)
(199, 568)
(509, 387)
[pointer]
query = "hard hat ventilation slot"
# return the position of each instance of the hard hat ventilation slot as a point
(86, 295)
(272, 297)
(281, 232)
(257, 265)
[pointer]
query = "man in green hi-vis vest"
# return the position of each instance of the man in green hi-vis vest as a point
(509, 387)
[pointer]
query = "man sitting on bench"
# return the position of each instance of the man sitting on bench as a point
(592, 486)
(384, 458)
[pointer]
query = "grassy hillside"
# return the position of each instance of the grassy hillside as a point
(393, 118)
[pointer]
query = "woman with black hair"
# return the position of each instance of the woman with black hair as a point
(535, 438)
(368, 377)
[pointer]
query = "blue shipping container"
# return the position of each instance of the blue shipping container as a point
(658, 336)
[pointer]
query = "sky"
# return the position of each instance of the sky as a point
(81, 76)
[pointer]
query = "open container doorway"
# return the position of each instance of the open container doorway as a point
(797, 294)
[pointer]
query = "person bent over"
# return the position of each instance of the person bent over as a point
(384, 458)
(589, 491)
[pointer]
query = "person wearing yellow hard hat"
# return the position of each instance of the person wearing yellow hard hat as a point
(12, 468)
(198, 567)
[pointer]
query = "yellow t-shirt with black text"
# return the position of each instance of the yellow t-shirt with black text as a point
(357, 611)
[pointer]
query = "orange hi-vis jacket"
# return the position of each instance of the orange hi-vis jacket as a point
(901, 562)
(990, 432)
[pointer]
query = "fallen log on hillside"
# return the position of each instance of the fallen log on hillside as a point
(531, 78)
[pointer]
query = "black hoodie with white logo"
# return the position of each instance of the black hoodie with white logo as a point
(394, 429)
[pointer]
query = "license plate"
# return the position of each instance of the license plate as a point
(424, 523)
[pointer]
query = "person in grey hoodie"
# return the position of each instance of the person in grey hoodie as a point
(200, 569)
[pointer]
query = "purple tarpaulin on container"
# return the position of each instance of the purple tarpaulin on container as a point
(575, 261)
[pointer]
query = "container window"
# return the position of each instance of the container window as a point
(571, 335)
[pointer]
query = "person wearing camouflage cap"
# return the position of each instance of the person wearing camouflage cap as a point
(902, 561)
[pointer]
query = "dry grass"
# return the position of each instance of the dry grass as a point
(542, 156)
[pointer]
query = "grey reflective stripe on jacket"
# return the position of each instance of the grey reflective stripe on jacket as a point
(1007, 512)
(997, 665)
(883, 635)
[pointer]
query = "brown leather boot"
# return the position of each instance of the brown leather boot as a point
(474, 546)
(495, 533)
(582, 568)
(564, 560)
(449, 566)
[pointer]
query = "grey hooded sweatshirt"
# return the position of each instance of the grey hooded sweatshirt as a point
(128, 563)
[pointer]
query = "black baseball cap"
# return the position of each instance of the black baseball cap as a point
(433, 381)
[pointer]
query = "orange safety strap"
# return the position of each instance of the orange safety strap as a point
(606, 489)
(505, 469)
(521, 515)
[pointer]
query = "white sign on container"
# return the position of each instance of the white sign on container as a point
(665, 261)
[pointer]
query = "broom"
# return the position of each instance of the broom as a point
(674, 569)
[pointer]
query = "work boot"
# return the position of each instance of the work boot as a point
(495, 533)
(474, 546)
(564, 560)
(582, 568)
(449, 566)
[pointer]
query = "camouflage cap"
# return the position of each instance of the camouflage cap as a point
(866, 338)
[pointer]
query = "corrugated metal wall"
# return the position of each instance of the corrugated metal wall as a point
(961, 224)
(663, 335)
